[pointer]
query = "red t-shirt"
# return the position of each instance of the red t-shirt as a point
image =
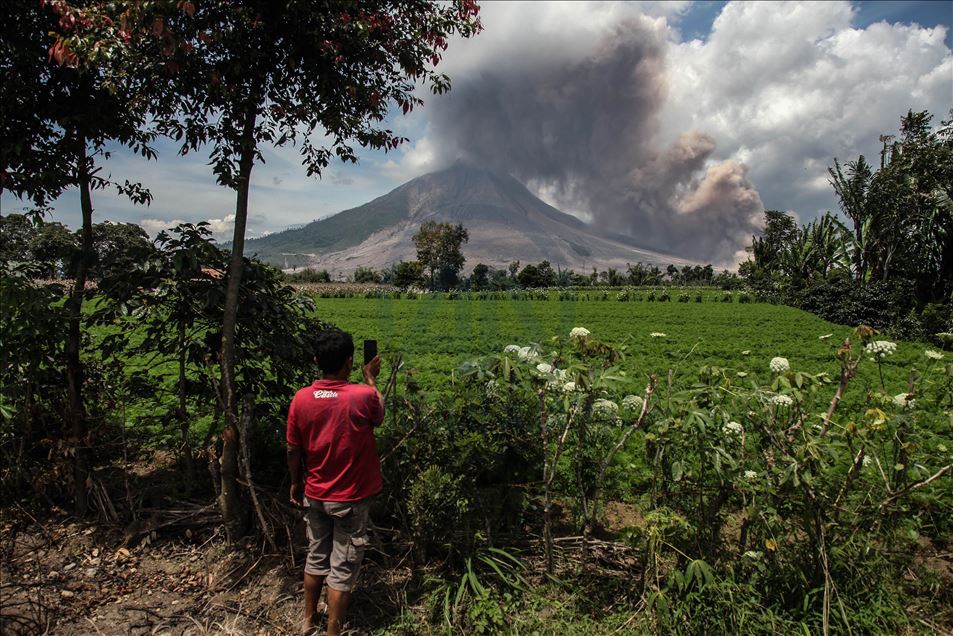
(333, 423)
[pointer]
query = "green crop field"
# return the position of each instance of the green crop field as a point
(436, 335)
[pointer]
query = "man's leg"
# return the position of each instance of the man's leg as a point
(337, 610)
(349, 542)
(312, 592)
(318, 563)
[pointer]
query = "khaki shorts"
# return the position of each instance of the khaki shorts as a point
(337, 535)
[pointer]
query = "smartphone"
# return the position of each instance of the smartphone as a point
(370, 350)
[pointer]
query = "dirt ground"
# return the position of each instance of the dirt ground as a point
(62, 577)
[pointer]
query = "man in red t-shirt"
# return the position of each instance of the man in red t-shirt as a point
(332, 458)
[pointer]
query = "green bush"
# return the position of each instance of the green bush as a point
(436, 506)
(847, 302)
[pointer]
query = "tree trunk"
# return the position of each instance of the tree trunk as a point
(79, 435)
(184, 410)
(234, 510)
(547, 486)
(859, 256)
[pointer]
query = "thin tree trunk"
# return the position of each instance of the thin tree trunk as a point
(233, 509)
(79, 435)
(184, 410)
(547, 486)
(582, 439)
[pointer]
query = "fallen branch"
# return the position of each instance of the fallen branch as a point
(915, 485)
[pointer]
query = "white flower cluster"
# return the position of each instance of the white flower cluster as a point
(753, 554)
(657, 334)
(579, 332)
(569, 387)
(750, 474)
(904, 401)
(732, 428)
(557, 377)
(782, 400)
(633, 402)
(493, 388)
(880, 349)
(511, 349)
(933, 355)
(779, 365)
(605, 407)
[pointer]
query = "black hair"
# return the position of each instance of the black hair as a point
(333, 349)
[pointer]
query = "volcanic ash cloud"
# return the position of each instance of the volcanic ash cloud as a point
(582, 125)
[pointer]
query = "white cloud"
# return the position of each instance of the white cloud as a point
(786, 87)
(221, 229)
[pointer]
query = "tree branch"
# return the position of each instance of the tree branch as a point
(915, 485)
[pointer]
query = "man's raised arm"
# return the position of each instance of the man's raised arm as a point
(371, 370)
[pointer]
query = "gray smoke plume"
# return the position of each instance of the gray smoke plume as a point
(585, 131)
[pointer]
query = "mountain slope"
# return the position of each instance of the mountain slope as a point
(506, 222)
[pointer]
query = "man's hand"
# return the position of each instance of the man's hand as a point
(371, 370)
(297, 494)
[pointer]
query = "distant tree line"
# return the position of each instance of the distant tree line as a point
(891, 262)
(533, 276)
(440, 260)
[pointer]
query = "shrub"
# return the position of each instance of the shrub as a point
(683, 297)
(435, 506)
(847, 302)
(664, 296)
(727, 297)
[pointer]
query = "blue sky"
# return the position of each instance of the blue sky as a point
(702, 47)
(696, 23)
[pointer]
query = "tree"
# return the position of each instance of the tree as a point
(173, 291)
(673, 273)
(853, 190)
(54, 248)
(480, 277)
(407, 274)
(541, 275)
(767, 251)
(528, 276)
(56, 120)
(253, 73)
(439, 252)
(32, 369)
(16, 236)
(366, 275)
(118, 247)
(912, 203)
